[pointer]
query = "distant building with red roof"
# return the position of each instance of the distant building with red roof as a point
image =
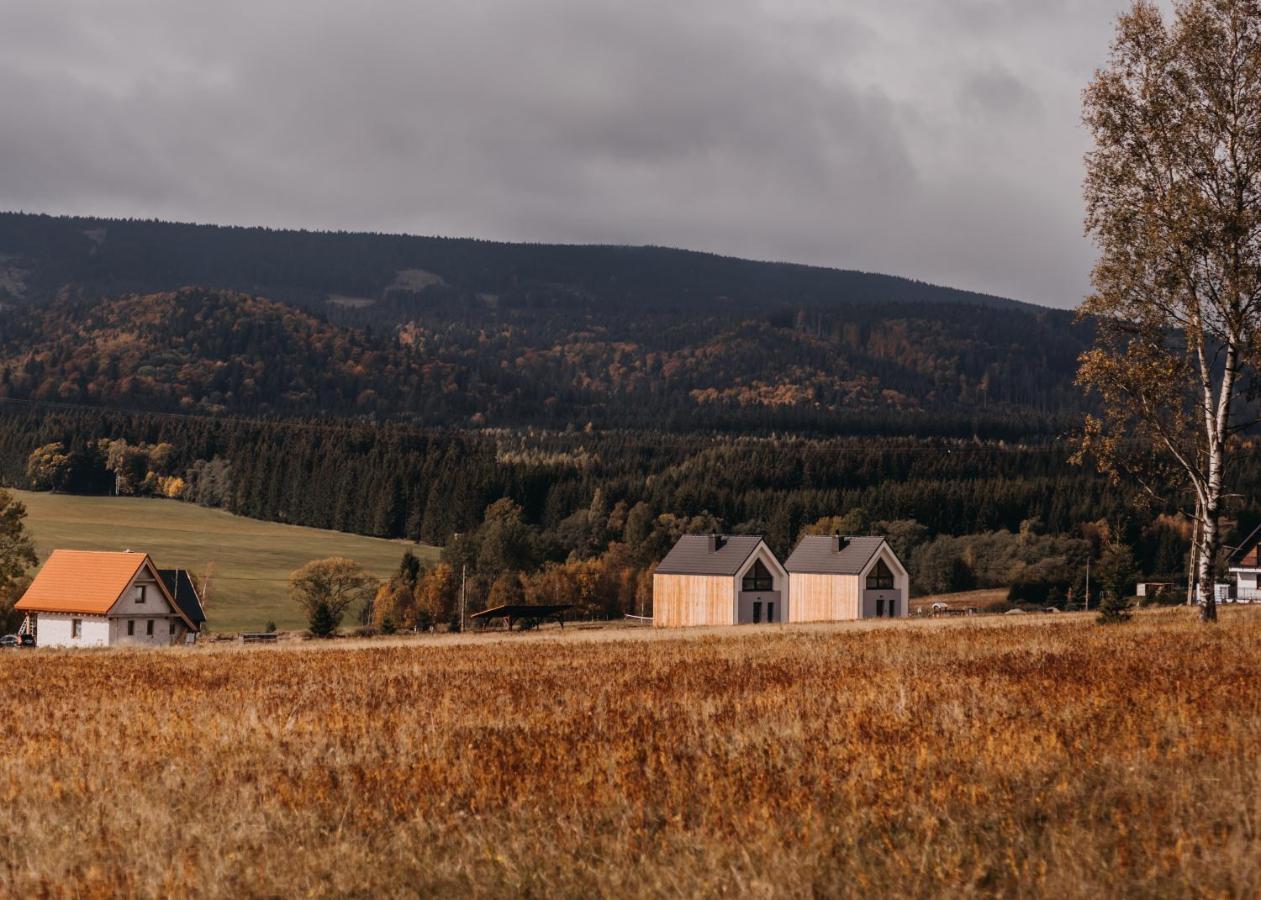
(85, 598)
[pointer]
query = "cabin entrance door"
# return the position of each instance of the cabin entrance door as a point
(758, 607)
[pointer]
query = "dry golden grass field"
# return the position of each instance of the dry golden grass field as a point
(1042, 757)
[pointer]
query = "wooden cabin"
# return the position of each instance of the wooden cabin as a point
(719, 579)
(835, 579)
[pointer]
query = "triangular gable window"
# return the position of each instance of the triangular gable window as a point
(758, 578)
(880, 578)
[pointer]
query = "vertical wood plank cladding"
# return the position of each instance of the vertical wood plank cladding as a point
(822, 598)
(679, 601)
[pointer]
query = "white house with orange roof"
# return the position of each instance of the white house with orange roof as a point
(85, 598)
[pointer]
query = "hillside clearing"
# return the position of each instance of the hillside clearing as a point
(1041, 758)
(251, 560)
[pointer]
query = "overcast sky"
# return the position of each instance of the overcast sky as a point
(937, 139)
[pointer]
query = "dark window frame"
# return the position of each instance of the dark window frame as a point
(757, 579)
(148, 629)
(880, 578)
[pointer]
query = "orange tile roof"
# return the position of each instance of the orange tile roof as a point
(81, 581)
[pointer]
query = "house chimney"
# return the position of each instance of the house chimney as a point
(716, 542)
(838, 542)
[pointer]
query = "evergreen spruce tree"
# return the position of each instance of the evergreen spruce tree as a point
(1113, 609)
(322, 622)
(1117, 575)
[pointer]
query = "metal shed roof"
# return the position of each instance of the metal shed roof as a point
(693, 555)
(180, 586)
(818, 555)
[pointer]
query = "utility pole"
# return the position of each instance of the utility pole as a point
(1193, 569)
(1087, 584)
(463, 593)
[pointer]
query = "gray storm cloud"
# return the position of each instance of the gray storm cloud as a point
(928, 138)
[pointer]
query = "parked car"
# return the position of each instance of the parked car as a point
(17, 640)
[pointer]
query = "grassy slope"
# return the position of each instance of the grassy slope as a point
(252, 560)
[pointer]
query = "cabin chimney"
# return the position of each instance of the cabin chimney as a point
(839, 542)
(716, 542)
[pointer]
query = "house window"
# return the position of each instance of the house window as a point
(880, 607)
(131, 627)
(172, 626)
(770, 612)
(757, 611)
(758, 579)
(140, 593)
(76, 628)
(880, 578)
(893, 609)
(149, 627)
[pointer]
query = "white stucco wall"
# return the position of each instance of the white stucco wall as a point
(154, 603)
(162, 636)
(154, 609)
(55, 629)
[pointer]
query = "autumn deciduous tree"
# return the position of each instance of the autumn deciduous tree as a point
(437, 594)
(506, 591)
(17, 557)
(394, 606)
(49, 467)
(1173, 195)
(326, 588)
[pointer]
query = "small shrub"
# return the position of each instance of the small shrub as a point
(270, 628)
(1113, 609)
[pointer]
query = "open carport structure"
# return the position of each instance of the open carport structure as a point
(528, 614)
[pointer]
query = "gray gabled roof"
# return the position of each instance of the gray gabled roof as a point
(818, 555)
(692, 556)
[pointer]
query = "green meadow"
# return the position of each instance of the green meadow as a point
(249, 561)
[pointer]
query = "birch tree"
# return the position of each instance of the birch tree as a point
(1172, 196)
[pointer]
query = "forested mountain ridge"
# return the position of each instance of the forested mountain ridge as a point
(458, 332)
(931, 370)
(395, 275)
